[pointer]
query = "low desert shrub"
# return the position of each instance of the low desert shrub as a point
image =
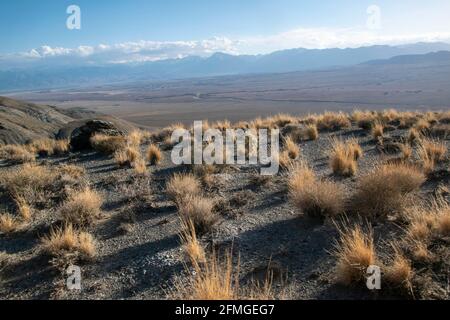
(199, 210)
(126, 156)
(68, 240)
(399, 273)
(8, 223)
(154, 155)
(332, 121)
(377, 130)
(49, 147)
(344, 156)
(108, 144)
(16, 154)
(313, 197)
(28, 181)
(292, 149)
(385, 190)
(82, 208)
(181, 186)
(355, 252)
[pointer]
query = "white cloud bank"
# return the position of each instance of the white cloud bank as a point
(142, 51)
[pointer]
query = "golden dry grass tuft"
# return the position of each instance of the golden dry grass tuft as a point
(332, 121)
(23, 208)
(384, 190)
(431, 152)
(49, 147)
(68, 240)
(215, 279)
(406, 151)
(355, 252)
(200, 211)
(127, 155)
(140, 167)
(192, 247)
(399, 273)
(377, 130)
(28, 181)
(344, 156)
(82, 208)
(108, 144)
(311, 132)
(16, 154)
(9, 223)
(181, 186)
(154, 155)
(292, 149)
(364, 119)
(313, 197)
(135, 138)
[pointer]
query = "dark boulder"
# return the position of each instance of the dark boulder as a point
(80, 137)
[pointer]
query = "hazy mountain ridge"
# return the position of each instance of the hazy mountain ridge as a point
(218, 64)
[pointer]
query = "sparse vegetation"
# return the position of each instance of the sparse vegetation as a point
(344, 156)
(199, 210)
(313, 197)
(82, 208)
(8, 223)
(154, 155)
(16, 154)
(181, 186)
(68, 241)
(108, 144)
(355, 252)
(384, 191)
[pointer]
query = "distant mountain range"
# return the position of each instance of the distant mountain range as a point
(219, 64)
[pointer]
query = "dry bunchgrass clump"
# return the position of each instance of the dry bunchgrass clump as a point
(385, 189)
(292, 149)
(126, 156)
(181, 186)
(355, 252)
(413, 135)
(311, 132)
(364, 119)
(333, 121)
(214, 279)
(343, 157)
(23, 209)
(313, 197)
(8, 223)
(28, 181)
(71, 171)
(399, 273)
(377, 130)
(154, 155)
(16, 154)
(192, 246)
(67, 240)
(140, 167)
(422, 125)
(135, 137)
(406, 151)
(107, 144)
(82, 208)
(435, 150)
(199, 210)
(49, 147)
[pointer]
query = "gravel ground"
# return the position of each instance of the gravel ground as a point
(259, 224)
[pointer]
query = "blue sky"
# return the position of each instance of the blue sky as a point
(175, 28)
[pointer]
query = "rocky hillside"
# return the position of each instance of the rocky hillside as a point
(21, 122)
